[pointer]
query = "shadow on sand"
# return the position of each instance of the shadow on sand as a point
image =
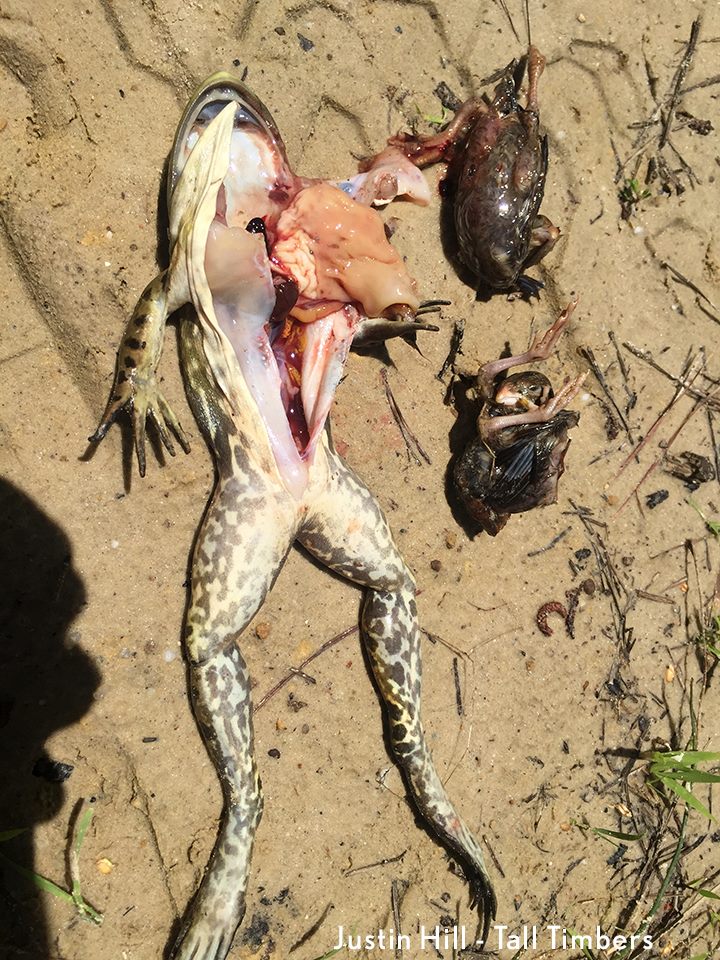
(46, 683)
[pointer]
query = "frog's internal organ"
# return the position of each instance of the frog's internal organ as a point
(293, 265)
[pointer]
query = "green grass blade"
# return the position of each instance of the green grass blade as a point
(690, 775)
(687, 797)
(82, 828)
(9, 834)
(686, 757)
(616, 834)
(42, 883)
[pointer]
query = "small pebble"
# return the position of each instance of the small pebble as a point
(280, 31)
(105, 866)
(149, 739)
(169, 656)
(669, 673)
(450, 539)
(274, 753)
(305, 728)
(436, 565)
(588, 586)
(581, 18)
(262, 630)
(306, 44)
(114, 544)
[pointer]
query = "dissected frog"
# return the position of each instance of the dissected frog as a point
(497, 165)
(518, 457)
(280, 273)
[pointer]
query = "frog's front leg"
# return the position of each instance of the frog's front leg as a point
(346, 530)
(135, 384)
(242, 544)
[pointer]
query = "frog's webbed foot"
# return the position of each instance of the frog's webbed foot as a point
(135, 386)
(346, 530)
(399, 321)
(242, 544)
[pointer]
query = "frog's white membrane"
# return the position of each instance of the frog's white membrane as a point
(231, 172)
(391, 175)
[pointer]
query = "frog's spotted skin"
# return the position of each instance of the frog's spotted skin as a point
(255, 515)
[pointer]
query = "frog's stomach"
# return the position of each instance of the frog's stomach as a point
(289, 300)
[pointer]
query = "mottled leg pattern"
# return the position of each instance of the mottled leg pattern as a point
(347, 531)
(241, 548)
(135, 386)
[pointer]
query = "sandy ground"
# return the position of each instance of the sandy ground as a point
(95, 561)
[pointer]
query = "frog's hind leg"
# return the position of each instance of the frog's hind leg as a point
(346, 530)
(242, 544)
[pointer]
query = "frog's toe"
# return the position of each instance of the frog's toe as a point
(483, 897)
(149, 403)
(120, 397)
(201, 942)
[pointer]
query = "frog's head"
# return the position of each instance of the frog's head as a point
(253, 125)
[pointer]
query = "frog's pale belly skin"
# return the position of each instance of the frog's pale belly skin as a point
(261, 505)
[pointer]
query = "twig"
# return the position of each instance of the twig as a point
(679, 79)
(408, 436)
(656, 463)
(689, 375)
(716, 449)
(313, 929)
(455, 348)
(630, 394)
(588, 355)
(493, 856)
(688, 283)
(610, 580)
(711, 399)
(708, 82)
(503, 6)
(398, 889)
(378, 863)
(548, 546)
(293, 672)
(458, 691)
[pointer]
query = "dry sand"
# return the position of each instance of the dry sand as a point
(95, 566)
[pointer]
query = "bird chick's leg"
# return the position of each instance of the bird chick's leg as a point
(541, 348)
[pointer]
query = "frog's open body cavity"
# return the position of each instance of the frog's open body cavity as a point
(288, 297)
